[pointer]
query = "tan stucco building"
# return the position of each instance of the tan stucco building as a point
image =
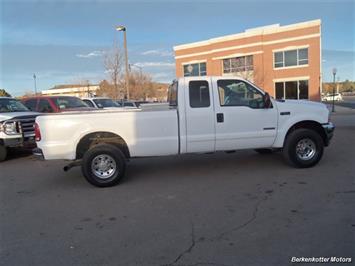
(283, 60)
(72, 90)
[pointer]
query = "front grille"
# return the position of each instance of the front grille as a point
(26, 125)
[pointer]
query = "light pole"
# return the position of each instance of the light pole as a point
(334, 73)
(34, 79)
(123, 28)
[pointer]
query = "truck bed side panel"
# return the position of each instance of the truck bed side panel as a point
(152, 133)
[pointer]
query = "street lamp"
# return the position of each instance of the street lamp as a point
(123, 28)
(334, 73)
(34, 79)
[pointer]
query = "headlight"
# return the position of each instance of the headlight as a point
(10, 128)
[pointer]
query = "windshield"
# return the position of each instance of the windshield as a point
(11, 105)
(102, 103)
(69, 102)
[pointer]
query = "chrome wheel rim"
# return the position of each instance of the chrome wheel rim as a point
(103, 166)
(305, 149)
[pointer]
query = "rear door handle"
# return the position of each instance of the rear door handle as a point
(220, 118)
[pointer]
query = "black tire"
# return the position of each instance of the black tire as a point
(3, 153)
(114, 158)
(310, 155)
(264, 151)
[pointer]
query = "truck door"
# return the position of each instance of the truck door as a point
(200, 122)
(241, 120)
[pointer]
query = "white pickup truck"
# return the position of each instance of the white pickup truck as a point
(204, 114)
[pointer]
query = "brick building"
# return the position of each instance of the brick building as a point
(283, 60)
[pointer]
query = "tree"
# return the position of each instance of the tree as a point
(106, 89)
(113, 62)
(4, 93)
(141, 86)
(28, 93)
(348, 86)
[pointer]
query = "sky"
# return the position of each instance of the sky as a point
(64, 42)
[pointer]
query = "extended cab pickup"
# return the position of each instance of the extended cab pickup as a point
(204, 114)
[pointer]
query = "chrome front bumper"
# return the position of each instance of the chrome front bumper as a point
(329, 132)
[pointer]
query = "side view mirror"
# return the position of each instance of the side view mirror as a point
(267, 101)
(100, 105)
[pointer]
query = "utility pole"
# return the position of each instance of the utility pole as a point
(123, 28)
(35, 83)
(334, 73)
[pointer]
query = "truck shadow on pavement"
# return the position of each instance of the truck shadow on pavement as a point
(18, 153)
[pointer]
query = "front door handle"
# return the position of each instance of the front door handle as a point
(220, 118)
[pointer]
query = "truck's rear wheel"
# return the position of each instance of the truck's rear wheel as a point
(103, 165)
(303, 148)
(3, 153)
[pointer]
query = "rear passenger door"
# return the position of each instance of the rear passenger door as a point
(200, 125)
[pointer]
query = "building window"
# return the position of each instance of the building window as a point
(198, 69)
(296, 90)
(238, 64)
(291, 58)
(199, 94)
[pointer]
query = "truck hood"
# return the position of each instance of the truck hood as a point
(10, 115)
(303, 107)
(301, 103)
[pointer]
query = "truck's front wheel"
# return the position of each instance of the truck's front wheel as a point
(303, 148)
(103, 165)
(3, 153)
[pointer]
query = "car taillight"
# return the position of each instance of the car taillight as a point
(37, 133)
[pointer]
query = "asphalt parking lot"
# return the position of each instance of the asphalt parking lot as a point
(215, 209)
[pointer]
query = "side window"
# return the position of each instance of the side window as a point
(199, 94)
(88, 103)
(31, 104)
(239, 93)
(44, 106)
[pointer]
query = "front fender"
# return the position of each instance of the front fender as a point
(285, 126)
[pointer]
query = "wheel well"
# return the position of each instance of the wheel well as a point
(313, 125)
(101, 137)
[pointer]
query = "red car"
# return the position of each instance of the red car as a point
(55, 104)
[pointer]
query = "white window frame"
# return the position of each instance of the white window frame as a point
(230, 64)
(284, 87)
(283, 55)
(194, 63)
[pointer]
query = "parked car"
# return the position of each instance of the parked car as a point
(55, 104)
(16, 125)
(205, 114)
(329, 97)
(101, 103)
(127, 104)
